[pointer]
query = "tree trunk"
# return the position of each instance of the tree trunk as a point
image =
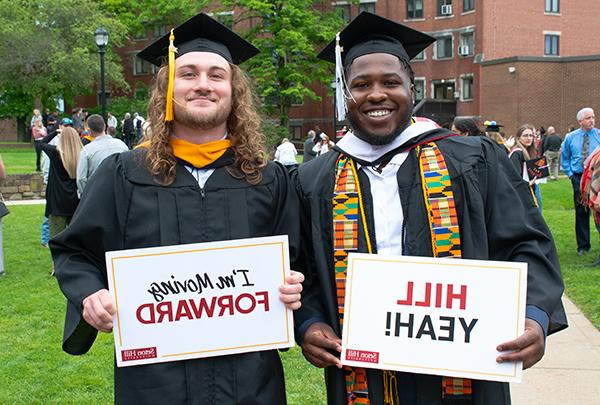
(23, 130)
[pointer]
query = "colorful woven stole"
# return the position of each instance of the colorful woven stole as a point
(445, 235)
(347, 206)
(445, 240)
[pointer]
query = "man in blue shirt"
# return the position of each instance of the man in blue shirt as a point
(577, 146)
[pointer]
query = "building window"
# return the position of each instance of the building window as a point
(296, 131)
(419, 89)
(466, 44)
(468, 5)
(551, 45)
(414, 9)
(344, 11)
(444, 8)
(466, 87)
(443, 90)
(160, 30)
(370, 7)
(140, 66)
(552, 6)
(443, 47)
(420, 56)
(225, 18)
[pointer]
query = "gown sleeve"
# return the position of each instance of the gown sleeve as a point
(517, 232)
(78, 252)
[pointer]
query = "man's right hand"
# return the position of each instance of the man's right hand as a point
(98, 310)
(318, 343)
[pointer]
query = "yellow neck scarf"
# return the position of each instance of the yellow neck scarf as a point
(198, 155)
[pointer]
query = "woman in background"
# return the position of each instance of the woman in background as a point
(466, 127)
(61, 192)
(524, 150)
(324, 146)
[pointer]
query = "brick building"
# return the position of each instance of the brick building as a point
(508, 60)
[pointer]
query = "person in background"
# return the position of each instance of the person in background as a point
(93, 154)
(45, 116)
(576, 148)
(309, 144)
(39, 132)
(35, 118)
(524, 150)
(2, 178)
(78, 120)
(324, 146)
(111, 122)
(61, 192)
(492, 131)
(551, 149)
(286, 154)
(128, 130)
(466, 127)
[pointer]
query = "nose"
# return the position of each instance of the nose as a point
(202, 83)
(377, 94)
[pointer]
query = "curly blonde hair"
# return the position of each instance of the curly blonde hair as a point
(243, 126)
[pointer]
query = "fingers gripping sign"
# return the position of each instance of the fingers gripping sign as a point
(528, 348)
(290, 291)
(98, 310)
(318, 344)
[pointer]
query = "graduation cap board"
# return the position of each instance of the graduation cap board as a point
(492, 126)
(369, 33)
(200, 33)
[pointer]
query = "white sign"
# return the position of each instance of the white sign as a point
(433, 316)
(199, 300)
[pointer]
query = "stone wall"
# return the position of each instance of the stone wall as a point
(23, 187)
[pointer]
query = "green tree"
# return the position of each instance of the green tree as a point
(288, 32)
(48, 51)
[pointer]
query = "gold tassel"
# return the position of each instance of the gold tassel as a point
(390, 388)
(172, 51)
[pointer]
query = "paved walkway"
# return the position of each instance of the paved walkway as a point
(569, 373)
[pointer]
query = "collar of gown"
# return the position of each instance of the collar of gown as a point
(363, 151)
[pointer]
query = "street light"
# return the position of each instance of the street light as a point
(332, 85)
(101, 38)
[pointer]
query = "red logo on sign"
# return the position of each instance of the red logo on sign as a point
(362, 355)
(139, 354)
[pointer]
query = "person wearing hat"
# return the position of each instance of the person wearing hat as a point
(201, 175)
(374, 187)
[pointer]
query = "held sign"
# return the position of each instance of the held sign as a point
(199, 300)
(433, 316)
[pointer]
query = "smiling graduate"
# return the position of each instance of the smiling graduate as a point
(402, 185)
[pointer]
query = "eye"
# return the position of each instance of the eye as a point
(360, 85)
(188, 74)
(392, 83)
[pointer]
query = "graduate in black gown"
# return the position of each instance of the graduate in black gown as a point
(201, 176)
(494, 218)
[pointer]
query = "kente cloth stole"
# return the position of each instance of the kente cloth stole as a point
(445, 239)
(445, 234)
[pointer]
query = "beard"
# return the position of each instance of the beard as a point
(200, 120)
(375, 139)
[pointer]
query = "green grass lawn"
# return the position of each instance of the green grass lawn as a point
(34, 370)
(18, 160)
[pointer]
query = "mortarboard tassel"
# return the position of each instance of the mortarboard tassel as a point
(340, 81)
(172, 51)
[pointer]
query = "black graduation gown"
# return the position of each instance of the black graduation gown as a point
(491, 199)
(124, 208)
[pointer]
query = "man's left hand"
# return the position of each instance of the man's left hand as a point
(290, 291)
(528, 348)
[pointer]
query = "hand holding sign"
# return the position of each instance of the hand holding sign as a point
(98, 310)
(290, 292)
(528, 348)
(318, 343)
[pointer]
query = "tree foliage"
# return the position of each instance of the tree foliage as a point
(289, 33)
(48, 51)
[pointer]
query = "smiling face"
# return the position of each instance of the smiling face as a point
(202, 90)
(383, 98)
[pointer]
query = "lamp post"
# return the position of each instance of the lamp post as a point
(332, 85)
(101, 38)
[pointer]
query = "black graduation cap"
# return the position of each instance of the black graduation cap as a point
(369, 33)
(201, 33)
(492, 126)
